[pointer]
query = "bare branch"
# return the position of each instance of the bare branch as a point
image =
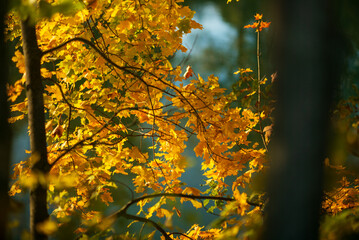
(123, 211)
(146, 220)
(178, 195)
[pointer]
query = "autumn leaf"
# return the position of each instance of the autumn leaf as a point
(254, 25)
(268, 131)
(196, 204)
(47, 227)
(259, 24)
(258, 16)
(264, 25)
(188, 73)
(177, 211)
(243, 70)
(191, 191)
(58, 130)
(228, 1)
(241, 199)
(106, 196)
(90, 3)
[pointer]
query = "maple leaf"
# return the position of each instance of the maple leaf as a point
(106, 196)
(47, 227)
(268, 131)
(265, 24)
(228, 1)
(90, 3)
(57, 131)
(258, 16)
(254, 25)
(243, 70)
(188, 73)
(191, 191)
(259, 24)
(241, 199)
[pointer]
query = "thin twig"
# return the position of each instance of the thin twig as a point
(259, 91)
(123, 211)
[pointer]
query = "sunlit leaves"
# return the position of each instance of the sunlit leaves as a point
(228, 1)
(48, 227)
(115, 106)
(188, 73)
(259, 24)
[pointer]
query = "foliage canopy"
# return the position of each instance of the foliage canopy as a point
(115, 106)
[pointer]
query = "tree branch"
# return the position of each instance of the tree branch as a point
(89, 137)
(182, 234)
(126, 69)
(146, 220)
(136, 200)
(123, 211)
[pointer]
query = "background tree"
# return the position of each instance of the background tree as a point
(5, 137)
(309, 57)
(36, 120)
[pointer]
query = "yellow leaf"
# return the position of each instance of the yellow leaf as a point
(196, 204)
(106, 196)
(29, 181)
(241, 199)
(47, 227)
(15, 188)
(19, 107)
(137, 155)
(80, 203)
(124, 25)
(192, 191)
(14, 119)
(150, 236)
(177, 211)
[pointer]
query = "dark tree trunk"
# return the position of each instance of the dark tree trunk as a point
(307, 51)
(5, 131)
(36, 119)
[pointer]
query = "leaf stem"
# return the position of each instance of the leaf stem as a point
(259, 89)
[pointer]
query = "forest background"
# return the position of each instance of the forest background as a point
(209, 59)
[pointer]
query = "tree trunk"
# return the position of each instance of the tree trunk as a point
(5, 130)
(36, 119)
(308, 68)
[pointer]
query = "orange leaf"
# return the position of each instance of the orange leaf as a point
(188, 73)
(191, 191)
(258, 16)
(177, 211)
(106, 196)
(254, 25)
(57, 131)
(268, 131)
(264, 25)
